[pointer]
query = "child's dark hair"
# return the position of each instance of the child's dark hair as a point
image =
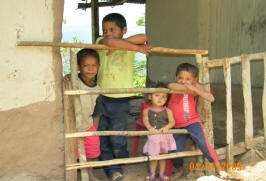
(117, 18)
(187, 67)
(87, 52)
(158, 85)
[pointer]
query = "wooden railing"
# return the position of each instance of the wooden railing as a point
(204, 107)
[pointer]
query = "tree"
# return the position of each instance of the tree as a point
(141, 21)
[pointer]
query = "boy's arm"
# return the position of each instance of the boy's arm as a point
(198, 90)
(194, 90)
(177, 87)
(126, 45)
(139, 39)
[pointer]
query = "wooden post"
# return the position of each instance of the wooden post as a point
(78, 113)
(94, 20)
(246, 84)
(229, 116)
(70, 127)
(264, 98)
(204, 107)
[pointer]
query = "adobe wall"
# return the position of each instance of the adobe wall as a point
(225, 28)
(31, 119)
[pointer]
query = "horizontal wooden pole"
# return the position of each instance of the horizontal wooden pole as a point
(103, 47)
(121, 91)
(132, 160)
(234, 60)
(238, 148)
(121, 133)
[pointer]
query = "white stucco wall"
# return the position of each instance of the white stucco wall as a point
(31, 111)
(26, 72)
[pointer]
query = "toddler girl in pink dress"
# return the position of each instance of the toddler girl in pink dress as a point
(158, 118)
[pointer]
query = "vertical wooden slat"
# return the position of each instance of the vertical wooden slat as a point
(204, 107)
(70, 127)
(229, 115)
(94, 20)
(78, 113)
(264, 97)
(246, 84)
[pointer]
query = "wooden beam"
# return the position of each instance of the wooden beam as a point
(121, 91)
(121, 133)
(78, 113)
(264, 97)
(132, 160)
(238, 148)
(103, 47)
(229, 114)
(94, 20)
(246, 84)
(233, 60)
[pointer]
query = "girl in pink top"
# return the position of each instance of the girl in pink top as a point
(158, 118)
(186, 116)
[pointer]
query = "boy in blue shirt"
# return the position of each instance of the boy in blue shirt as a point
(116, 71)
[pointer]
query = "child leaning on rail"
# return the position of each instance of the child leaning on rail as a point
(158, 118)
(88, 63)
(116, 71)
(186, 116)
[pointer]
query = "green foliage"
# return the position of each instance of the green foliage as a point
(139, 75)
(65, 55)
(141, 21)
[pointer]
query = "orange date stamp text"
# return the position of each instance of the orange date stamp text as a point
(196, 166)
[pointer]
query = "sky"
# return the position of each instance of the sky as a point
(78, 22)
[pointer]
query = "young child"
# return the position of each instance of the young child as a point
(158, 118)
(88, 62)
(116, 71)
(186, 117)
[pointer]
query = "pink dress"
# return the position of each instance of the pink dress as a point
(162, 143)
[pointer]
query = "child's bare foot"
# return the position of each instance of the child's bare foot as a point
(179, 174)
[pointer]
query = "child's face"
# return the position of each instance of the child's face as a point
(185, 77)
(111, 30)
(158, 99)
(89, 67)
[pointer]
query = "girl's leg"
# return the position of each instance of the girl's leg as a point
(153, 165)
(162, 164)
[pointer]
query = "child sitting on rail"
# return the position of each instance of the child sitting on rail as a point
(158, 118)
(186, 116)
(116, 71)
(88, 62)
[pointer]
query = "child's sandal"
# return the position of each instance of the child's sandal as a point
(150, 177)
(163, 177)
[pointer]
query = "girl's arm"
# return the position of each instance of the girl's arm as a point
(199, 91)
(146, 122)
(171, 123)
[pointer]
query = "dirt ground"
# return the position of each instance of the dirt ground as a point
(136, 172)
